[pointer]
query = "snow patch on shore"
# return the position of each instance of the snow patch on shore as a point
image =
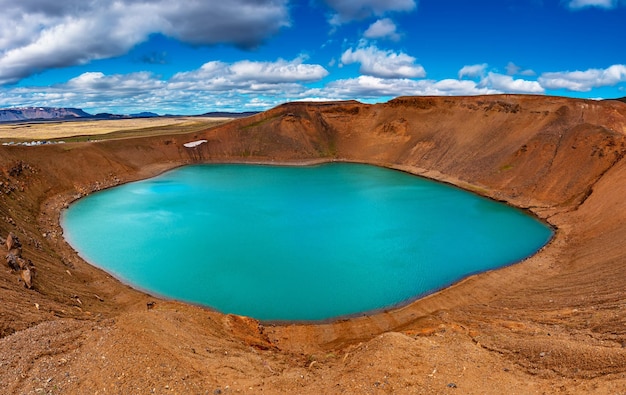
(192, 144)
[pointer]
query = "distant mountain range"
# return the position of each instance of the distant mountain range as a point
(22, 114)
(31, 113)
(106, 115)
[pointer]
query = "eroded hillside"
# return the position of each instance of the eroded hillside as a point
(553, 322)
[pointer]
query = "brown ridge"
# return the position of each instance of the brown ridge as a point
(553, 323)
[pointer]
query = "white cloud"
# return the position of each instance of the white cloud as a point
(247, 85)
(451, 87)
(250, 76)
(350, 10)
(219, 86)
(106, 93)
(39, 35)
(117, 85)
(382, 28)
(584, 81)
(59, 46)
(527, 72)
(578, 4)
(473, 71)
(215, 86)
(383, 64)
(367, 87)
(513, 69)
(278, 72)
(506, 83)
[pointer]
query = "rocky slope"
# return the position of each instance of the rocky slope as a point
(553, 323)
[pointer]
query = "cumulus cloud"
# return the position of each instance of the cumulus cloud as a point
(62, 45)
(368, 87)
(382, 28)
(214, 86)
(584, 81)
(473, 71)
(578, 4)
(247, 85)
(94, 90)
(224, 86)
(350, 10)
(491, 84)
(113, 85)
(37, 35)
(278, 72)
(241, 22)
(249, 75)
(506, 83)
(451, 87)
(383, 64)
(513, 69)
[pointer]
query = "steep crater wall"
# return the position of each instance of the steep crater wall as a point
(560, 158)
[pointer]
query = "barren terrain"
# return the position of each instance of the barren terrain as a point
(555, 323)
(99, 129)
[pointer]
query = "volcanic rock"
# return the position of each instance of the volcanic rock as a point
(561, 159)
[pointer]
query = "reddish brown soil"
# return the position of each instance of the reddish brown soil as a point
(555, 323)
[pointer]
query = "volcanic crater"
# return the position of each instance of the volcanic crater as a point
(554, 322)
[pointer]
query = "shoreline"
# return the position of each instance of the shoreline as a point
(307, 163)
(553, 320)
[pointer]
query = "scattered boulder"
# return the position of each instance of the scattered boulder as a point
(27, 276)
(23, 263)
(12, 242)
(17, 251)
(16, 262)
(12, 261)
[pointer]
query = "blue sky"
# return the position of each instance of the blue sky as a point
(196, 56)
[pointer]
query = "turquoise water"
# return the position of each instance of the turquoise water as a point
(296, 243)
